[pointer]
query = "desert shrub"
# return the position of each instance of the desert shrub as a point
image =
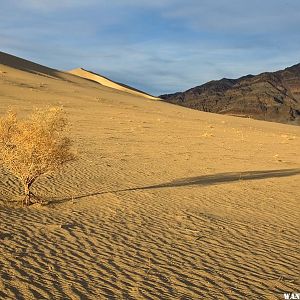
(34, 146)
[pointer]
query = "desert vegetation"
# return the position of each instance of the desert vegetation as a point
(34, 146)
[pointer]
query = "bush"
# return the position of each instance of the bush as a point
(34, 146)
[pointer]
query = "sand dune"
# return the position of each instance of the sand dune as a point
(165, 202)
(107, 82)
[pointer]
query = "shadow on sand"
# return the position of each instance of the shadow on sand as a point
(204, 180)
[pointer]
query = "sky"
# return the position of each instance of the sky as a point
(159, 46)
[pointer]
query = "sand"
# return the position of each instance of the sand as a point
(164, 203)
(109, 83)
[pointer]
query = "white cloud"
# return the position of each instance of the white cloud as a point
(221, 38)
(51, 5)
(254, 16)
(46, 5)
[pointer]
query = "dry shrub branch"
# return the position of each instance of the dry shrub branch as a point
(34, 146)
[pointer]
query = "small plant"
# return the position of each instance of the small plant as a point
(34, 146)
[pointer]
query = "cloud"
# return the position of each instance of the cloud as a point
(50, 5)
(238, 15)
(157, 46)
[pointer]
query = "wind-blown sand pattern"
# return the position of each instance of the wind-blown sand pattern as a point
(164, 203)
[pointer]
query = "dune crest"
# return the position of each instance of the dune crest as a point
(109, 83)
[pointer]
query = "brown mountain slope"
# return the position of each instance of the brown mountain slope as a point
(267, 96)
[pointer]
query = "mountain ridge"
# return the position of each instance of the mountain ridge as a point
(270, 96)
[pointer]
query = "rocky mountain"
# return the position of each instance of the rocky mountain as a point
(270, 96)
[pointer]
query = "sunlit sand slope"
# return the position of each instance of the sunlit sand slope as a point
(164, 203)
(107, 82)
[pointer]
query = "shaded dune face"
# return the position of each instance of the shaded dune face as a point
(164, 203)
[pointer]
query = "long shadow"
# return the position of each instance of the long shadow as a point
(204, 180)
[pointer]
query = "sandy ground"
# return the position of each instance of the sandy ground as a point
(164, 202)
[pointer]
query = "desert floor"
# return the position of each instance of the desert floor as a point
(164, 202)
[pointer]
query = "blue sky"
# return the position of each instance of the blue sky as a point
(159, 46)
